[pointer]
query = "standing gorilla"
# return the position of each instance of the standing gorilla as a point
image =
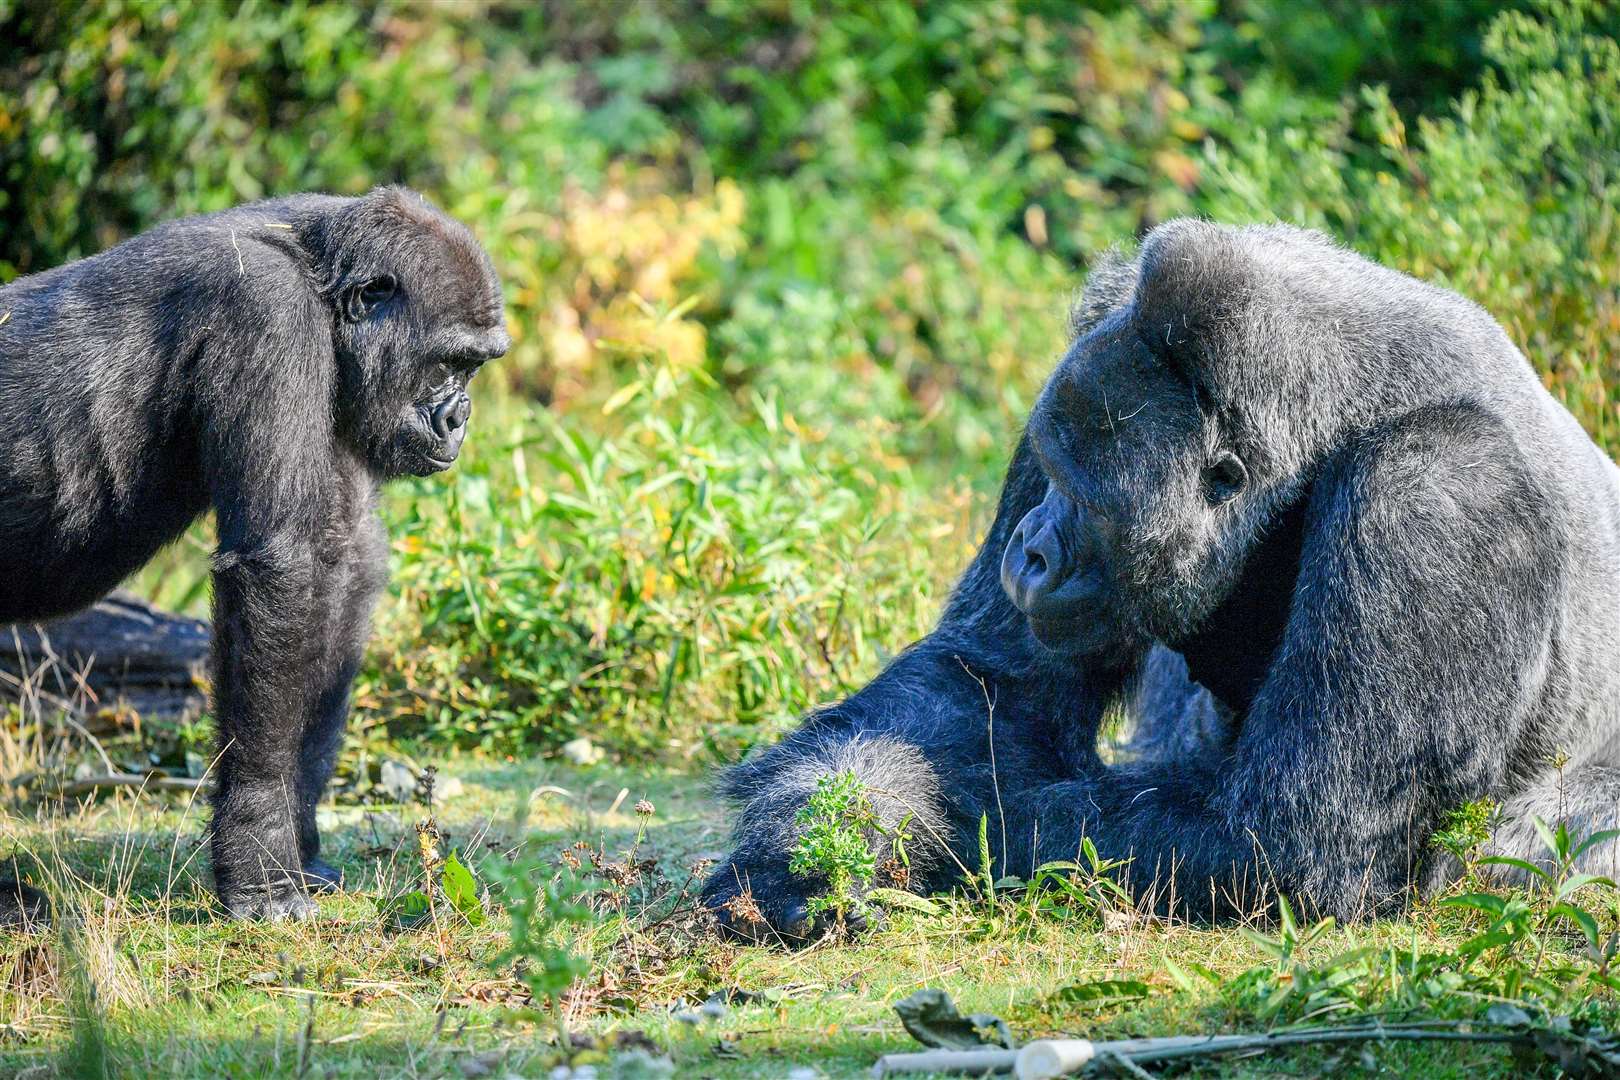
(1323, 529)
(272, 363)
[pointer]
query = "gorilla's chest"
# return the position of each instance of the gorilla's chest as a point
(1232, 652)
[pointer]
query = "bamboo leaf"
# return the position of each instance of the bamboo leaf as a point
(898, 898)
(1518, 864)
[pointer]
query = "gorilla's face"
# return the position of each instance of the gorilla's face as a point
(427, 430)
(1140, 531)
(417, 317)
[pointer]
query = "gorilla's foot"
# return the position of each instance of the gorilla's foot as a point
(277, 902)
(321, 876)
(758, 905)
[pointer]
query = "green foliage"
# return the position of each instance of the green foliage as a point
(833, 846)
(543, 904)
(1513, 953)
(1425, 53)
(416, 909)
(1465, 831)
(115, 115)
(1101, 993)
(784, 278)
(1512, 197)
(664, 586)
(1086, 890)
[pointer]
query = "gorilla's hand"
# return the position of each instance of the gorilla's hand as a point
(760, 903)
(753, 893)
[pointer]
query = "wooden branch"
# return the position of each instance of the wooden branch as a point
(148, 781)
(121, 653)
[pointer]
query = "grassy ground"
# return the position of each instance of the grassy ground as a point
(177, 992)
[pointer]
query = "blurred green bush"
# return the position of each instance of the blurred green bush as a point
(784, 276)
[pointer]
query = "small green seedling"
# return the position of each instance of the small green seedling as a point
(543, 904)
(446, 882)
(1465, 832)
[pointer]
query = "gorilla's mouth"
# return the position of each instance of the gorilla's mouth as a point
(432, 463)
(419, 460)
(424, 456)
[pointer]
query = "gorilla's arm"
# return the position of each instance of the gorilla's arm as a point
(919, 736)
(1423, 616)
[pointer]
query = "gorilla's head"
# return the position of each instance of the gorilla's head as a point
(418, 310)
(1142, 490)
(1205, 380)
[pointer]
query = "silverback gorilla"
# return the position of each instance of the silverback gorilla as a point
(272, 363)
(1321, 531)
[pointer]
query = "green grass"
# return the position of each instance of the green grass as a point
(180, 993)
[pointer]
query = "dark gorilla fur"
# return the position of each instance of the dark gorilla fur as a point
(1322, 531)
(272, 363)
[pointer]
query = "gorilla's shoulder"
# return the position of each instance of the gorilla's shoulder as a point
(1461, 449)
(250, 257)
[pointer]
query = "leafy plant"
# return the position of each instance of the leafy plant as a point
(1513, 922)
(455, 885)
(833, 846)
(1464, 833)
(1069, 890)
(543, 904)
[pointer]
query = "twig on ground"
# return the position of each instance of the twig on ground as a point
(1045, 1059)
(150, 781)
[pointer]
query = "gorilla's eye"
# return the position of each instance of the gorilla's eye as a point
(366, 298)
(1224, 477)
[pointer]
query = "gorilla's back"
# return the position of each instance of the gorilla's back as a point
(98, 462)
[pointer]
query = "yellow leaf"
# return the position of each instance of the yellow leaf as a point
(621, 397)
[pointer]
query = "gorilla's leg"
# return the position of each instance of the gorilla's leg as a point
(263, 655)
(899, 780)
(1586, 798)
(1173, 718)
(359, 578)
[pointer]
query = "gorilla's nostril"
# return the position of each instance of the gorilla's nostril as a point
(451, 415)
(458, 414)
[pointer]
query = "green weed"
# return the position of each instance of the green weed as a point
(834, 825)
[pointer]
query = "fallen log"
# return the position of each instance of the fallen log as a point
(122, 654)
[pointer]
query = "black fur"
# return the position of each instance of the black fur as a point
(1322, 530)
(273, 364)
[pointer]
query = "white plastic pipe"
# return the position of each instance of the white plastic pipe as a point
(969, 1062)
(1046, 1058)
